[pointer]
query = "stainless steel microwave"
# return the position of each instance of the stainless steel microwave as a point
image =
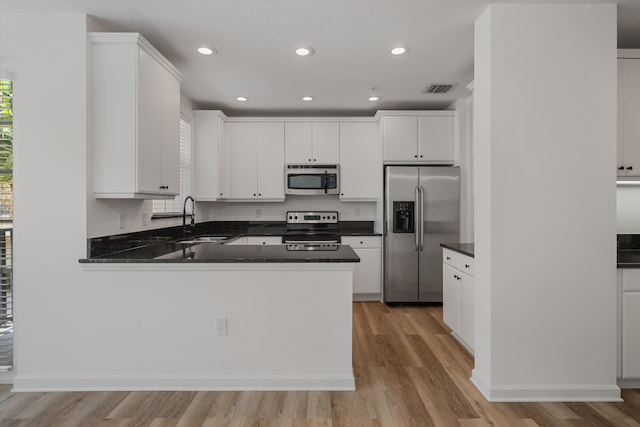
(312, 179)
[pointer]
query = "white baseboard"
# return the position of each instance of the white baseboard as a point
(26, 383)
(366, 297)
(6, 377)
(551, 393)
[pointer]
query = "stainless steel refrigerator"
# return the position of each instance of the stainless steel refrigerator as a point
(422, 210)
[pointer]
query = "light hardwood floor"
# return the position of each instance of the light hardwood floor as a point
(409, 372)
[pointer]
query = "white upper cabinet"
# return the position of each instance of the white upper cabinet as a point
(418, 136)
(256, 161)
(629, 113)
(360, 165)
(209, 157)
(312, 142)
(135, 118)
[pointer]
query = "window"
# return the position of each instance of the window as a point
(174, 206)
(6, 225)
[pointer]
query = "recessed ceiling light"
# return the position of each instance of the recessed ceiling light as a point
(206, 50)
(307, 98)
(304, 51)
(399, 50)
(242, 98)
(374, 98)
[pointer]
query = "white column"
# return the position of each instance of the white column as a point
(545, 207)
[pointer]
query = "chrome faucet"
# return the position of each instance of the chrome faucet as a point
(184, 215)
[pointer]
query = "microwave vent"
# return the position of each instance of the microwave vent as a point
(439, 88)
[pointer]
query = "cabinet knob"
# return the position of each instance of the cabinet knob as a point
(309, 159)
(222, 194)
(621, 168)
(259, 194)
(415, 157)
(342, 194)
(254, 194)
(362, 243)
(314, 160)
(630, 168)
(467, 266)
(448, 258)
(420, 155)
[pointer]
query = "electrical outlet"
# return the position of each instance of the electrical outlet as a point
(221, 326)
(258, 213)
(123, 221)
(145, 218)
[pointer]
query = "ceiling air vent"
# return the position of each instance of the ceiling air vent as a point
(438, 88)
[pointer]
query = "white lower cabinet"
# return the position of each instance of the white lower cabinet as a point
(458, 300)
(630, 324)
(367, 274)
(264, 240)
(450, 297)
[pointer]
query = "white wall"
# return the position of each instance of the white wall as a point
(464, 109)
(49, 182)
(545, 106)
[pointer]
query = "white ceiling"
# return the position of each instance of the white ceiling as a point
(255, 40)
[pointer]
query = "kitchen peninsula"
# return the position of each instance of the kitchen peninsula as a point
(224, 316)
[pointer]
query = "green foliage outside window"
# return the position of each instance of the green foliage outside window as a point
(6, 148)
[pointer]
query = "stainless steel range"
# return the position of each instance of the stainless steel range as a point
(316, 230)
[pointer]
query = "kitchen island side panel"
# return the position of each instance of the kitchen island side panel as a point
(153, 327)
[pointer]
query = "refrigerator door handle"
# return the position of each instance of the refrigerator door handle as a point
(416, 213)
(421, 218)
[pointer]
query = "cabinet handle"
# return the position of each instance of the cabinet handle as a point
(467, 266)
(630, 168)
(448, 258)
(621, 168)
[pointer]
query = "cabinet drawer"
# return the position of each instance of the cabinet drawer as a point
(448, 257)
(264, 240)
(357, 242)
(466, 264)
(458, 261)
(631, 279)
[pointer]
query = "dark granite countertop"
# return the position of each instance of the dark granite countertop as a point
(162, 245)
(463, 248)
(219, 253)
